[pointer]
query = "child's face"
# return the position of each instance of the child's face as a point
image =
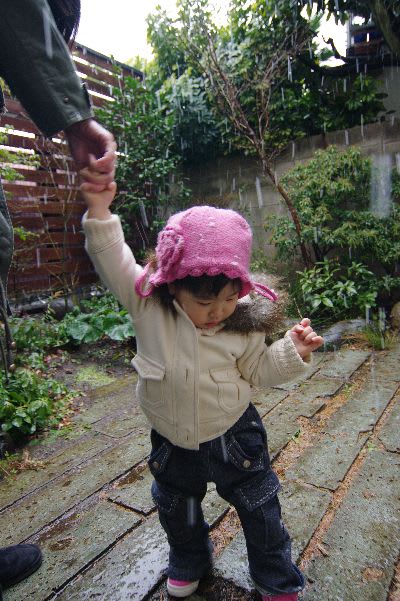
(207, 312)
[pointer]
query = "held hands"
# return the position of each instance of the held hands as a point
(93, 149)
(304, 338)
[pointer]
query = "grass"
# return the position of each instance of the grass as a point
(379, 340)
(94, 376)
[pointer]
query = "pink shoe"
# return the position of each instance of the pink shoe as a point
(285, 597)
(181, 588)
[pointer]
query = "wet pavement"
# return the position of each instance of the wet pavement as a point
(89, 505)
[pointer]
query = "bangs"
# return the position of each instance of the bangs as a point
(207, 286)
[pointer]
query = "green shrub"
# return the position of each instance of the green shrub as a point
(95, 318)
(356, 252)
(98, 317)
(331, 193)
(328, 289)
(37, 333)
(30, 402)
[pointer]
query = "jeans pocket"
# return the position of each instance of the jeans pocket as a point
(159, 458)
(257, 491)
(246, 457)
(165, 501)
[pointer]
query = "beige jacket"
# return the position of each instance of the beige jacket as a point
(193, 384)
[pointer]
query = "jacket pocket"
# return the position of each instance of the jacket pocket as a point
(233, 391)
(151, 383)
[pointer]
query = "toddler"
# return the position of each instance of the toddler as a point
(199, 351)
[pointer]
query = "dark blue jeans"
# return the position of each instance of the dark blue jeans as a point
(239, 464)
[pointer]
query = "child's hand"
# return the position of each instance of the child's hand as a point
(304, 338)
(98, 202)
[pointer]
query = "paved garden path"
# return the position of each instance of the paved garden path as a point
(335, 440)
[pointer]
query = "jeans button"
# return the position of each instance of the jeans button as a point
(246, 463)
(156, 465)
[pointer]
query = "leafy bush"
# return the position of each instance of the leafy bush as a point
(327, 289)
(37, 334)
(93, 319)
(99, 317)
(331, 194)
(29, 402)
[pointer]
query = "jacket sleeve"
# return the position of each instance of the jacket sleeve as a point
(37, 65)
(263, 365)
(114, 261)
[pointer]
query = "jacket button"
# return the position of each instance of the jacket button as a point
(246, 463)
(66, 99)
(156, 465)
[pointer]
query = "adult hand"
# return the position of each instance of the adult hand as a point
(93, 149)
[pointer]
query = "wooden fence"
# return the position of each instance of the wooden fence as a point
(44, 200)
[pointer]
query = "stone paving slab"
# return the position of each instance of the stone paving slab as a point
(344, 363)
(306, 401)
(389, 365)
(214, 507)
(266, 400)
(327, 461)
(130, 561)
(281, 421)
(50, 502)
(100, 404)
(136, 564)
(281, 424)
(302, 510)
(121, 425)
(318, 387)
(318, 360)
(128, 571)
(16, 488)
(363, 539)
(134, 491)
(55, 442)
(303, 507)
(390, 432)
(71, 544)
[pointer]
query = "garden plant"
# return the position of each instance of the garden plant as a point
(31, 401)
(356, 252)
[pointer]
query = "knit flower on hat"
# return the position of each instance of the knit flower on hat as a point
(169, 248)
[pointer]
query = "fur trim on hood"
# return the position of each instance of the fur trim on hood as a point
(255, 313)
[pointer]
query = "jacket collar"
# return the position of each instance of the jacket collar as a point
(254, 313)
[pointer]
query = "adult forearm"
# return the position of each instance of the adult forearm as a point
(36, 63)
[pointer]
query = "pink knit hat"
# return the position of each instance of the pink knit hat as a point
(203, 241)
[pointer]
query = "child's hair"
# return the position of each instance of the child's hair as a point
(203, 286)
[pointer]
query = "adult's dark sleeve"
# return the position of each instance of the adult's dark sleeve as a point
(37, 65)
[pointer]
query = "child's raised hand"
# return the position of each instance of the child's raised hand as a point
(304, 338)
(98, 202)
